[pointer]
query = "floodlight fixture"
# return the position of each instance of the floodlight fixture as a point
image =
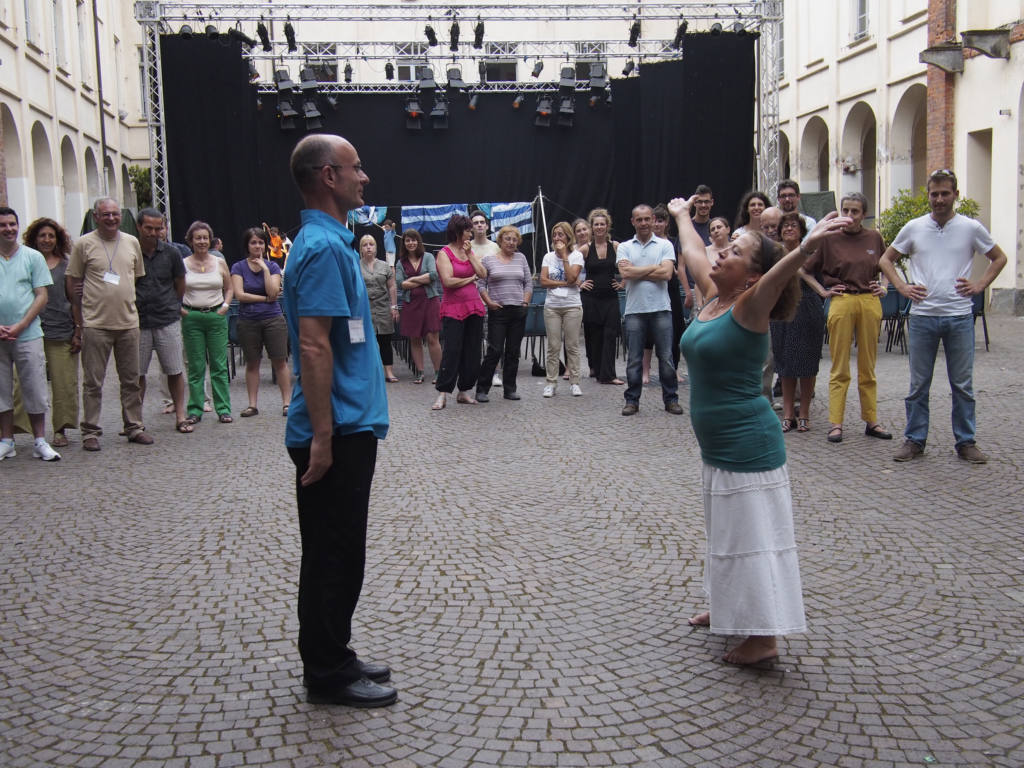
(389, 71)
(264, 35)
(254, 74)
(211, 32)
(237, 34)
(286, 114)
(738, 28)
(608, 97)
(628, 69)
(481, 67)
(543, 116)
(634, 32)
(566, 110)
(439, 114)
(454, 35)
(431, 35)
(307, 81)
(716, 28)
(283, 81)
(348, 72)
(413, 113)
(567, 77)
(677, 43)
(538, 67)
(289, 35)
(474, 102)
(332, 100)
(478, 34)
(598, 75)
(517, 102)
(426, 79)
(312, 115)
(455, 78)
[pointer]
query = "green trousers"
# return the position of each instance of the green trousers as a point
(205, 335)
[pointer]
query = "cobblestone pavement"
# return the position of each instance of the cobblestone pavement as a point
(531, 568)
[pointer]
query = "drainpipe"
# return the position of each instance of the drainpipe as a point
(99, 95)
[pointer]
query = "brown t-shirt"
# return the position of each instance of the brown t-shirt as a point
(848, 259)
(105, 305)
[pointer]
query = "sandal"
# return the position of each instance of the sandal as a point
(225, 418)
(193, 420)
(252, 410)
(184, 426)
(418, 379)
(788, 425)
(284, 409)
(803, 425)
(439, 403)
(390, 379)
(835, 435)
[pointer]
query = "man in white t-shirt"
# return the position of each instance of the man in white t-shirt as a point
(941, 247)
(787, 192)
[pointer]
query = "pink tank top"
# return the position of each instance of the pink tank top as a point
(460, 303)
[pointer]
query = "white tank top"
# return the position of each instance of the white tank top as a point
(204, 289)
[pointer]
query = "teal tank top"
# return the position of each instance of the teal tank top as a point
(734, 423)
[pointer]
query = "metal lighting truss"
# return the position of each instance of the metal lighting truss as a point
(763, 17)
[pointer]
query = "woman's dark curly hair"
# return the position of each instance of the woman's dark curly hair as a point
(63, 248)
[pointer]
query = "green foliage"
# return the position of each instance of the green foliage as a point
(906, 206)
(142, 185)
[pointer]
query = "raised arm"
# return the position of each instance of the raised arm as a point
(691, 247)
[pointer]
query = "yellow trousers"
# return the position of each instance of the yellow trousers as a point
(62, 370)
(853, 315)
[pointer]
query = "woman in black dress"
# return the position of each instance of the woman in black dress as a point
(600, 296)
(796, 345)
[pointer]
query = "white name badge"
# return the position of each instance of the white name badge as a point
(356, 334)
(111, 277)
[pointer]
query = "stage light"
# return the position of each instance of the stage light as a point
(628, 69)
(518, 101)
(567, 78)
(264, 35)
(454, 33)
(608, 97)
(634, 33)
(211, 32)
(478, 34)
(566, 111)
(348, 73)
(332, 101)
(413, 114)
(543, 117)
(283, 81)
(286, 114)
(482, 69)
(677, 43)
(389, 71)
(537, 68)
(738, 28)
(598, 75)
(312, 115)
(474, 100)
(426, 78)
(455, 78)
(254, 74)
(307, 82)
(716, 28)
(439, 114)
(185, 32)
(431, 35)
(289, 35)
(236, 34)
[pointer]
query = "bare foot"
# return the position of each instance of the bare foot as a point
(700, 620)
(752, 650)
(465, 399)
(168, 408)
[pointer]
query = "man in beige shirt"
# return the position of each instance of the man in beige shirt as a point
(101, 285)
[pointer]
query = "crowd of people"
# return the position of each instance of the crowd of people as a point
(757, 303)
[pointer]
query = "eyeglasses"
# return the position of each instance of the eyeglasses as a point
(786, 195)
(357, 167)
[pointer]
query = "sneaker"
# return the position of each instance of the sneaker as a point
(909, 450)
(576, 391)
(42, 450)
(969, 452)
(549, 390)
(7, 450)
(496, 380)
(630, 409)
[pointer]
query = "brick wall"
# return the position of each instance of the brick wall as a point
(941, 29)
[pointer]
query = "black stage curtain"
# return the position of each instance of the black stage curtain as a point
(678, 124)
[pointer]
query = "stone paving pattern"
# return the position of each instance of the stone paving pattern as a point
(531, 568)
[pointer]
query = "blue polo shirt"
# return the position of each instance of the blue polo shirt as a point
(646, 295)
(20, 275)
(324, 280)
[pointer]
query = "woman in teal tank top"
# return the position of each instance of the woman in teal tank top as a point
(751, 571)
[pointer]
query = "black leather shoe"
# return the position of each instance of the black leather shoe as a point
(378, 673)
(363, 693)
(481, 397)
(512, 396)
(877, 431)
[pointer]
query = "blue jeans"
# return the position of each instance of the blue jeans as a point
(637, 326)
(957, 337)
